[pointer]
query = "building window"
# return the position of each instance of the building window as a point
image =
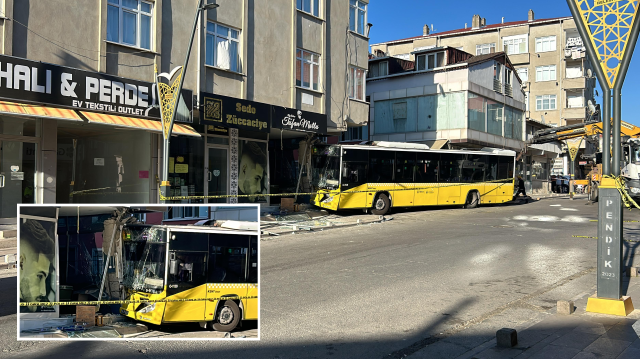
(356, 83)
(357, 16)
(526, 101)
(421, 62)
(187, 212)
(129, 22)
(353, 134)
(485, 49)
(515, 45)
(222, 47)
(545, 102)
(546, 73)
(310, 6)
(307, 69)
(523, 74)
(547, 43)
(507, 76)
(378, 69)
(497, 71)
(575, 99)
(428, 62)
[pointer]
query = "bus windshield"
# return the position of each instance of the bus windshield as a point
(144, 256)
(325, 166)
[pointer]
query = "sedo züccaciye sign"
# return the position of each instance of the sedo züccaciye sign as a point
(45, 83)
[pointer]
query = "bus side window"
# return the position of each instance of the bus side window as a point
(505, 167)
(426, 168)
(253, 260)
(450, 164)
(381, 166)
(492, 168)
(473, 168)
(227, 264)
(405, 166)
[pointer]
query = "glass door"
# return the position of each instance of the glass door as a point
(17, 176)
(217, 174)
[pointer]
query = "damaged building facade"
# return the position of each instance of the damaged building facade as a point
(79, 121)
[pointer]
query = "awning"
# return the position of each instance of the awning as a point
(21, 109)
(138, 123)
(437, 144)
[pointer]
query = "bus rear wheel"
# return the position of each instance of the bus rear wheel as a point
(472, 200)
(228, 317)
(381, 204)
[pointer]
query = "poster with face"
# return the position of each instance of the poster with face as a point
(252, 171)
(37, 263)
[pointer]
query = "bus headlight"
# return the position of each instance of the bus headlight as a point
(635, 190)
(327, 199)
(148, 308)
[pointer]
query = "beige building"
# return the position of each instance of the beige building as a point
(81, 123)
(548, 55)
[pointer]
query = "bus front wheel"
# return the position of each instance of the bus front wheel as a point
(381, 204)
(228, 317)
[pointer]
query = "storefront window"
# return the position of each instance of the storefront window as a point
(99, 164)
(186, 168)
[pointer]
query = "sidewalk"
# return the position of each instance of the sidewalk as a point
(550, 335)
(309, 218)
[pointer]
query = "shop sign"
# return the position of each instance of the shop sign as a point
(234, 113)
(40, 82)
(558, 163)
(298, 120)
(582, 163)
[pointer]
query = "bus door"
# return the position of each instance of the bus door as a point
(404, 194)
(228, 269)
(354, 170)
(473, 174)
(426, 180)
(380, 176)
(449, 172)
(251, 309)
(187, 277)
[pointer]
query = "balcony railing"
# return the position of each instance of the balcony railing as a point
(508, 90)
(497, 86)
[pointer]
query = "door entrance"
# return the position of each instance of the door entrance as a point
(217, 174)
(17, 176)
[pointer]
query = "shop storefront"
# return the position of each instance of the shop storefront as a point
(235, 154)
(292, 132)
(74, 136)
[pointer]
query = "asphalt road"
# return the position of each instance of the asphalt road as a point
(387, 290)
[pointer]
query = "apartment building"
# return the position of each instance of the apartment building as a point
(447, 98)
(550, 60)
(548, 55)
(79, 119)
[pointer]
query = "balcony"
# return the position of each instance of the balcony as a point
(575, 112)
(574, 83)
(519, 59)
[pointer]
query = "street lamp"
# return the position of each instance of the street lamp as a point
(169, 96)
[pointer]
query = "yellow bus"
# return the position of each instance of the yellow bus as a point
(382, 175)
(190, 262)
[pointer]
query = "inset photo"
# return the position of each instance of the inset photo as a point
(138, 272)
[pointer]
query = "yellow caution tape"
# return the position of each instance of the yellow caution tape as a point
(178, 198)
(51, 304)
(626, 198)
